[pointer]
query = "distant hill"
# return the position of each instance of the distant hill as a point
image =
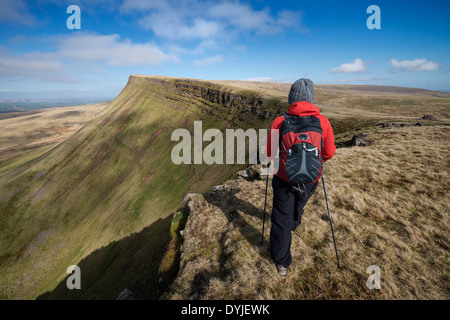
(28, 134)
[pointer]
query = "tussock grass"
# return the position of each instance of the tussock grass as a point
(389, 205)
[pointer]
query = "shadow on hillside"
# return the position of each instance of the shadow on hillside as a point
(230, 205)
(131, 263)
(234, 209)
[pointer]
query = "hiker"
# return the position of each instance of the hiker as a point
(290, 198)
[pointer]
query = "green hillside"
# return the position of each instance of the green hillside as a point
(113, 181)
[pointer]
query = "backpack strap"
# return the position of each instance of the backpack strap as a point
(281, 144)
(298, 188)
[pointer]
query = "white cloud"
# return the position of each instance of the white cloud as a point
(416, 65)
(195, 19)
(81, 50)
(111, 50)
(356, 66)
(34, 65)
(209, 61)
(245, 18)
(261, 79)
(241, 16)
(172, 19)
(291, 19)
(200, 48)
(169, 25)
(16, 12)
(370, 79)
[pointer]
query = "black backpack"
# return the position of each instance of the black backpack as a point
(301, 143)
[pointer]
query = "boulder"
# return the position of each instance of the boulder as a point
(361, 140)
(189, 196)
(253, 173)
(219, 188)
(428, 117)
(243, 174)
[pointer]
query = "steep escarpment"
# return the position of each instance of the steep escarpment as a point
(245, 100)
(105, 198)
(91, 200)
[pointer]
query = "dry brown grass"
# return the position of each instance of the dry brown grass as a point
(25, 135)
(389, 204)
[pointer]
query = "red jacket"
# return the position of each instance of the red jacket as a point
(304, 108)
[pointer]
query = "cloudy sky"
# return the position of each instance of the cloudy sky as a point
(327, 41)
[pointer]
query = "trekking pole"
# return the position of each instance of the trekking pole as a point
(331, 222)
(265, 201)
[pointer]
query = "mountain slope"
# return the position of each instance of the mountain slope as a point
(103, 199)
(108, 181)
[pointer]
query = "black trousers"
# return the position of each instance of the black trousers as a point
(288, 203)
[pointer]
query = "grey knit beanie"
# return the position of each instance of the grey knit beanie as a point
(301, 90)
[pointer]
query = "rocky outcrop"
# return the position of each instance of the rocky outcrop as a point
(253, 173)
(393, 125)
(245, 100)
(429, 117)
(361, 140)
(358, 140)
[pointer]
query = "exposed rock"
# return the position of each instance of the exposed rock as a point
(243, 174)
(428, 117)
(189, 196)
(253, 173)
(392, 125)
(218, 188)
(388, 125)
(266, 114)
(361, 140)
(212, 93)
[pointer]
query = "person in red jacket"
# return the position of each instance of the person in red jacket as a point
(290, 199)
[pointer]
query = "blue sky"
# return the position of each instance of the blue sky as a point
(327, 41)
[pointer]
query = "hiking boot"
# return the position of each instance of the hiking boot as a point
(282, 271)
